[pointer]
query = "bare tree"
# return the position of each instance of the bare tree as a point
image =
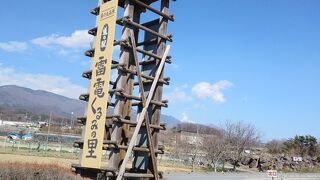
(189, 145)
(239, 137)
(275, 146)
(193, 151)
(215, 148)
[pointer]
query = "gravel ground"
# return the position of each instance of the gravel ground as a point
(240, 176)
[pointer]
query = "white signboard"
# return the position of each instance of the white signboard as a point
(272, 173)
(297, 159)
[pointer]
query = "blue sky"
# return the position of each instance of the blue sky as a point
(255, 61)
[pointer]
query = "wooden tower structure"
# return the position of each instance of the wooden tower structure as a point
(110, 124)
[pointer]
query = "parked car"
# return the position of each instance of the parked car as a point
(17, 137)
(13, 136)
(26, 137)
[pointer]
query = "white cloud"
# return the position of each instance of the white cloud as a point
(213, 91)
(185, 118)
(70, 48)
(178, 94)
(13, 46)
(56, 84)
(174, 66)
(78, 39)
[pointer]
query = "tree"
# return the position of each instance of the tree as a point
(189, 151)
(239, 137)
(192, 147)
(275, 146)
(215, 148)
(302, 145)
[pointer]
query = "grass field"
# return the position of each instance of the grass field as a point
(66, 162)
(14, 167)
(25, 166)
(61, 154)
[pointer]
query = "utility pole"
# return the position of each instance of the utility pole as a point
(48, 131)
(61, 132)
(196, 141)
(71, 120)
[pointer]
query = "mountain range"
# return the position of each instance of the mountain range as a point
(43, 102)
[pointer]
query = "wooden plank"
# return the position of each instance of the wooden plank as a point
(126, 20)
(125, 81)
(141, 115)
(170, 17)
(146, 116)
(141, 159)
(161, 50)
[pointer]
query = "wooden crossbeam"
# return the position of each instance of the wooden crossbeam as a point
(125, 20)
(143, 100)
(141, 115)
(170, 17)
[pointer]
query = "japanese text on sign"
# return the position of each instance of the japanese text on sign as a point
(99, 86)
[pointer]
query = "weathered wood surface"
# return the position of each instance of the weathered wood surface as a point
(120, 132)
(149, 109)
(141, 116)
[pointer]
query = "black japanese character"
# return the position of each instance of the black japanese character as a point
(98, 91)
(94, 125)
(101, 66)
(92, 106)
(93, 134)
(92, 145)
(99, 113)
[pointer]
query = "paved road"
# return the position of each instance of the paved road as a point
(240, 176)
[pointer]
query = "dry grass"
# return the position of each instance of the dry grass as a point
(66, 163)
(12, 166)
(10, 170)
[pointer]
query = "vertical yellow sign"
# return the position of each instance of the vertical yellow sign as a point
(99, 86)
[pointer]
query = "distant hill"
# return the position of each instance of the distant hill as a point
(39, 101)
(43, 102)
(170, 120)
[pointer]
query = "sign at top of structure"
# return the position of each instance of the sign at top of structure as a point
(99, 86)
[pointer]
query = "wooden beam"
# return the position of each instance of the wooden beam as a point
(141, 116)
(120, 132)
(146, 116)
